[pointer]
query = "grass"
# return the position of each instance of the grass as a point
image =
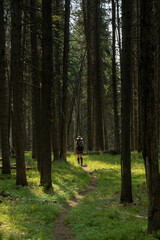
(29, 212)
(100, 216)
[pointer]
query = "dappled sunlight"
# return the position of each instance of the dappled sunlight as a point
(101, 214)
(29, 212)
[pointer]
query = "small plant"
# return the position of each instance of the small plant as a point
(41, 235)
(11, 237)
(1, 236)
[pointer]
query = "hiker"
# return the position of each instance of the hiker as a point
(79, 149)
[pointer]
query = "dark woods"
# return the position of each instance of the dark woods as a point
(88, 68)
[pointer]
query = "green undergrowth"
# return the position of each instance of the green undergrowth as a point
(29, 212)
(100, 215)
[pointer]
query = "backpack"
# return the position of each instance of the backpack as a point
(80, 146)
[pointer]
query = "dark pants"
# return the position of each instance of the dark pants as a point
(78, 159)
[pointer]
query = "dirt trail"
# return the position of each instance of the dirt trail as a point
(61, 227)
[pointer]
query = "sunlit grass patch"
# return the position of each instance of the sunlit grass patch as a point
(29, 212)
(27, 219)
(100, 215)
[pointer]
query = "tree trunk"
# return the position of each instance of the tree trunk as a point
(98, 84)
(45, 166)
(4, 100)
(56, 93)
(88, 13)
(65, 84)
(114, 84)
(34, 149)
(105, 137)
(29, 133)
(149, 87)
(23, 71)
(134, 78)
(92, 20)
(36, 105)
(139, 80)
(126, 184)
(119, 32)
(16, 76)
(158, 59)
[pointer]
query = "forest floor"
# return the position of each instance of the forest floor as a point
(84, 203)
(62, 229)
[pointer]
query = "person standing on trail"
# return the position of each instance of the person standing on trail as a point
(79, 149)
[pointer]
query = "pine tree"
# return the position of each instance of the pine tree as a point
(149, 100)
(45, 162)
(126, 185)
(16, 77)
(4, 100)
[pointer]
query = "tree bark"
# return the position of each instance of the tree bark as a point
(65, 83)
(139, 80)
(16, 76)
(4, 100)
(36, 105)
(119, 32)
(114, 84)
(45, 165)
(88, 13)
(134, 78)
(149, 102)
(126, 183)
(98, 85)
(157, 57)
(56, 93)
(23, 71)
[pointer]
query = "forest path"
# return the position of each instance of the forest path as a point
(61, 227)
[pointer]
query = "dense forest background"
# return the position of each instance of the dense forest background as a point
(57, 77)
(88, 68)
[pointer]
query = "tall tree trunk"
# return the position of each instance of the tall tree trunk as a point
(45, 169)
(139, 80)
(126, 184)
(158, 58)
(57, 76)
(34, 149)
(36, 111)
(4, 100)
(114, 83)
(149, 100)
(119, 32)
(16, 76)
(29, 133)
(92, 19)
(105, 137)
(134, 78)
(88, 13)
(65, 83)
(23, 70)
(98, 85)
